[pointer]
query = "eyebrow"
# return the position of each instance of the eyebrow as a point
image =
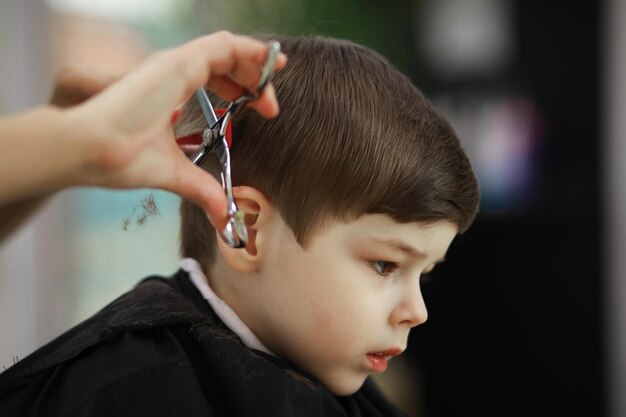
(401, 245)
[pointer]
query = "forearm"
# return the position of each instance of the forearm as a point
(39, 153)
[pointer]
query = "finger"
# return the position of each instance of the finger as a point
(248, 73)
(229, 89)
(281, 61)
(240, 57)
(169, 77)
(75, 85)
(189, 149)
(225, 87)
(195, 184)
(266, 104)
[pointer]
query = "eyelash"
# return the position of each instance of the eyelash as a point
(391, 266)
(426, 276)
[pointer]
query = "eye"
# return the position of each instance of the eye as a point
(383, 268)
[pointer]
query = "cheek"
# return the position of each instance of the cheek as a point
(326, 294)
(323, 320)
(338, 308)
(336, 329)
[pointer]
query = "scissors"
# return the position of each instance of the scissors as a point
(235, 233)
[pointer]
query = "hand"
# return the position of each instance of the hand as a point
(72, 87)
(75, 85)
(129, 123)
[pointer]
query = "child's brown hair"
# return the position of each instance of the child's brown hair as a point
(354, 136)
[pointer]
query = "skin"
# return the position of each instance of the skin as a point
(109, 131)
(347, 293)
(72, 87)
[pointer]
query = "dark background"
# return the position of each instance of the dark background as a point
(515, 323)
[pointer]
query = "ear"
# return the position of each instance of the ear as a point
(258, 215)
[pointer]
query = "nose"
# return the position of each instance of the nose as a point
(410, 311)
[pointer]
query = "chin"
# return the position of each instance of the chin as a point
(346, 386)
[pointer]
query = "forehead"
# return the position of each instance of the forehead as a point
(430, 239)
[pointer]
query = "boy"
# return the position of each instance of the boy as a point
(353, 192)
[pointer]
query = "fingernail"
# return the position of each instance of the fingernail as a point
(283, 57)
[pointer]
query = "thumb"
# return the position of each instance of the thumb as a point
(195, 184)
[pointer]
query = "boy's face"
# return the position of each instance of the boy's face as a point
(340, 308)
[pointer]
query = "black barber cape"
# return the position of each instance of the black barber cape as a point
(159, 350)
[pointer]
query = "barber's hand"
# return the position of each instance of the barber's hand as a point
(75, 85)
(129, 122)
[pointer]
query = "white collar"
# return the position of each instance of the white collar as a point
(223, 310)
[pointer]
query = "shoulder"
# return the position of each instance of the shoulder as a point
(154, 303)
(137, 370)
(135, 351)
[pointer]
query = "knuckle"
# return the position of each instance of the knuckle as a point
(218, 39)
(67, 75)
(161, 57)
(224, 35)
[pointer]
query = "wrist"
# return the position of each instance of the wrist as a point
(77, 146)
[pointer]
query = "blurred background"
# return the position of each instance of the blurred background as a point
(527, 315)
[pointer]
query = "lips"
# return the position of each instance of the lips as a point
(378, 361)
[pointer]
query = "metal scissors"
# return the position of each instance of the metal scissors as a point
(235, 233)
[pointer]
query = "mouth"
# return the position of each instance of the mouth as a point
(378, 361)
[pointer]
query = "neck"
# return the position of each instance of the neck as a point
(227, 284)
(238, 290)
(224, 310)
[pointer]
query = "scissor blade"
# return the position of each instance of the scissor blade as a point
(206, 106)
